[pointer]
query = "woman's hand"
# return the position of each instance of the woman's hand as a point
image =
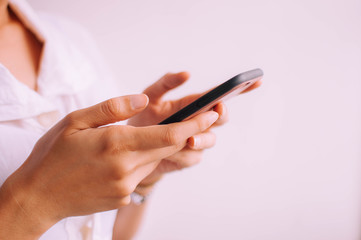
(157, 110)
(81, 166)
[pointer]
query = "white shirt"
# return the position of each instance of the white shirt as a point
(72, 76)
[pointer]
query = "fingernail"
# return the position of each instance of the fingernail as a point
(138, 101)
(212, 117)
(196, 141)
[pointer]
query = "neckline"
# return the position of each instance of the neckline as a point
(30, 22)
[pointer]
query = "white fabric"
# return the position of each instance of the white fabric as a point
(72, 76)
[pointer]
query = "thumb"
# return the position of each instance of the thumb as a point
(166, 83)
(109, 111)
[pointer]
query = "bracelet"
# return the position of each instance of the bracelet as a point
(142, 193)
(138, 199)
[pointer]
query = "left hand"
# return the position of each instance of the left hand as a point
(157, 110)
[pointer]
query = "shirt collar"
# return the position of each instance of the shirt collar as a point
(62, 64)
(64, 70)
(17, 101)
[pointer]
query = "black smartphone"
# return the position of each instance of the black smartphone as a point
(228, 89)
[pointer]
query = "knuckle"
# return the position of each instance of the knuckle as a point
(124, 189)
(70, 118)
(111, 132)
(125, 201)
(165, 76)
(172, 136)
(121, 170)
(167, 84)
(111, 108)
(122, 202)
(113, 142)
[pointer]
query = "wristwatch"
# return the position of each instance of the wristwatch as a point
(138, 199)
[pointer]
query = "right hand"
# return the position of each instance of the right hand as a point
(79, 167)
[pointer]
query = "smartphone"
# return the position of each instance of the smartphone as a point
(226, 90)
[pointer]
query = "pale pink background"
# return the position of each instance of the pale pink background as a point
(288, 164)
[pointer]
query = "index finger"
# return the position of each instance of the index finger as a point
(164, 84)
(175, 134)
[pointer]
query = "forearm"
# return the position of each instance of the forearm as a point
(19, 218)
(128, 221)
(129, 218)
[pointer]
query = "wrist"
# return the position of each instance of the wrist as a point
(144, 190)
(145, 187)
(21, 216)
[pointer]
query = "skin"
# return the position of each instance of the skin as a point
(20, 49)
(158, 110)
(189, 156)
(77, 168)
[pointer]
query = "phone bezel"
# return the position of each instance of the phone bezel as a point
(229, 88)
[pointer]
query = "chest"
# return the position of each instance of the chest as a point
(20, 53)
